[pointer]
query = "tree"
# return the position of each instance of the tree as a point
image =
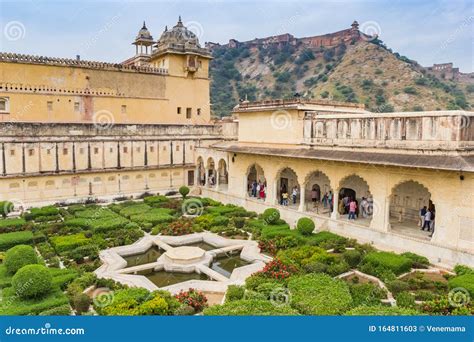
(184, 191)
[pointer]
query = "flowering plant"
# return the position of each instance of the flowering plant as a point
(276, 269)
(193, 298)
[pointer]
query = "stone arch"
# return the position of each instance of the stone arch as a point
(355, 187)
(287, 180)
(318, 192)
(407, 198)
(255, 180)
(211, 172)
(223, 172)
(201, 170)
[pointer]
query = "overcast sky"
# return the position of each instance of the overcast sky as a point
(427, 31)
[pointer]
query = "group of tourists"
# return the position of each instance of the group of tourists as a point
(350, 206)
(284, 195)
(427, 219)
(258, 189)
(327, 200)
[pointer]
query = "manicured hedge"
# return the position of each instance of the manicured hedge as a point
(43, 211)
(19, 256)
(380, 310)
(62, 310)
(319, 294)
(465, 281)
(135, 209)
(8, 240)
(154, 216)
(68, 242)
(11, 224)
(398, 264)
(155, 199)
(246, 307)
(15, 305)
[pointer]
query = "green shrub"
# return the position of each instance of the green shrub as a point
(81, 303)
(8, 240)
(255, 280)
(305, 226)
(234, 292)
(13, 304)
(327, 240)
(463, 269)
(154, 216)
(184, 191)
(150, 200)
(79, 253)
(32, 281)
(19, 256)
(319, 294)
(303, 255)
(11, 224)
(245, 307)
(239, 222)
(135, 209)
(396, 286)
(352, 257)
(271, 215)
(405, 300)
(465, 281)
(381, 310)
(417, 260)
(398, 264)
(366, 294)
(40, 212)
(63, 310)
(6, 207)
(68, 242)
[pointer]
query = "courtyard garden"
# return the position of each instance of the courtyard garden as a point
(48, 255)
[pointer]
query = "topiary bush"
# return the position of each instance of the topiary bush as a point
(305, 226)
(271, 215)
(19, 256)
(319, 294)
(184, 191)
(32, 281)
(352, 257)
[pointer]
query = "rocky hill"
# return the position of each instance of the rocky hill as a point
(363, 71)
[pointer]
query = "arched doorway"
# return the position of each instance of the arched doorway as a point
(355, 189)
(211, 173)
(287, 187)
(410, 202)
(256, 182)
(318, 193)
(223, 175)
(201, 172)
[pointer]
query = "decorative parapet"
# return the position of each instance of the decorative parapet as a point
(419, 130)
(30, 59)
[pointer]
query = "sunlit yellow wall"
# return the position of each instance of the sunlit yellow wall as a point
(79, 94)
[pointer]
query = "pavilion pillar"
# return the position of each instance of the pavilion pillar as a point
(302, 206)
(335, 213)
